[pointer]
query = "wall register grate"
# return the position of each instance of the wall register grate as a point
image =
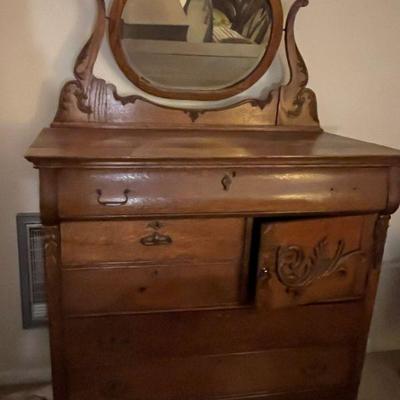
(31, 263)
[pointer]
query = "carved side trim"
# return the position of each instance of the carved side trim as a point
(53, 286)
(294, 269)
(297, 104)
(51, 246)
(380, 233)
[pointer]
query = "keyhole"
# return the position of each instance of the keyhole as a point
(227, 181)
(264, 273)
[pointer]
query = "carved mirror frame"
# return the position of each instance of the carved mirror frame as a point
(91, 102)
(204, 95)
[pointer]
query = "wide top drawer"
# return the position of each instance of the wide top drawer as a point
(112, 192)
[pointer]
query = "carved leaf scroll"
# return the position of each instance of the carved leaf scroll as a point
(298, 104)
(88, 98)
(75, 95)
(295, 269)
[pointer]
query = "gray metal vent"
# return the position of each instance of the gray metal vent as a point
(31, 263)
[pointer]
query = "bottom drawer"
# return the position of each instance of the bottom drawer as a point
(218, 376)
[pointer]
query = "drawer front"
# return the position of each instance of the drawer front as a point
(207, 377)
(99, 192)
(154, 242)
(310, 261)
(206, 332)
(136, 266)
(117, 290)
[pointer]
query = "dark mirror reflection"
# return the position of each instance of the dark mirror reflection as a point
(195, 44)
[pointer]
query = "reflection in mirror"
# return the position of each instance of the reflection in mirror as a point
(195, 44)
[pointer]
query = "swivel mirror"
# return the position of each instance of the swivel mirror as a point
(195, 48)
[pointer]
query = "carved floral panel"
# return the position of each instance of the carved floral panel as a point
(314, 260)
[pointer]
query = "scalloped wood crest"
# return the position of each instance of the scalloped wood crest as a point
(90, 101)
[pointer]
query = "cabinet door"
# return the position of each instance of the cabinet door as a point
(308, 261)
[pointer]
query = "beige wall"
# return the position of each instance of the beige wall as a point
(353, 53)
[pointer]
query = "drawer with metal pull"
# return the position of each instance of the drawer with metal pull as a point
(129, 266)
(153, 242)
(90, 193)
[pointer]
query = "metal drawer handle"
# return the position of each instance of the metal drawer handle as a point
(112, 203)
(156, 239)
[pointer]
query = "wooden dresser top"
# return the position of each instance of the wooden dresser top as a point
(185, 147)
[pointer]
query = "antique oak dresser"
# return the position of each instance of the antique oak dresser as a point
(203, 243)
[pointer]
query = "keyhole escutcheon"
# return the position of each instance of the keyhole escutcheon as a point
(227, 181)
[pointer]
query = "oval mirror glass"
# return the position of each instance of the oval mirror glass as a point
(194, 45)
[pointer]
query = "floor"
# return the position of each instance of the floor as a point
(381, 378)
(381, 381)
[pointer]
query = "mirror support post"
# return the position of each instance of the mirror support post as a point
(297, 103)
